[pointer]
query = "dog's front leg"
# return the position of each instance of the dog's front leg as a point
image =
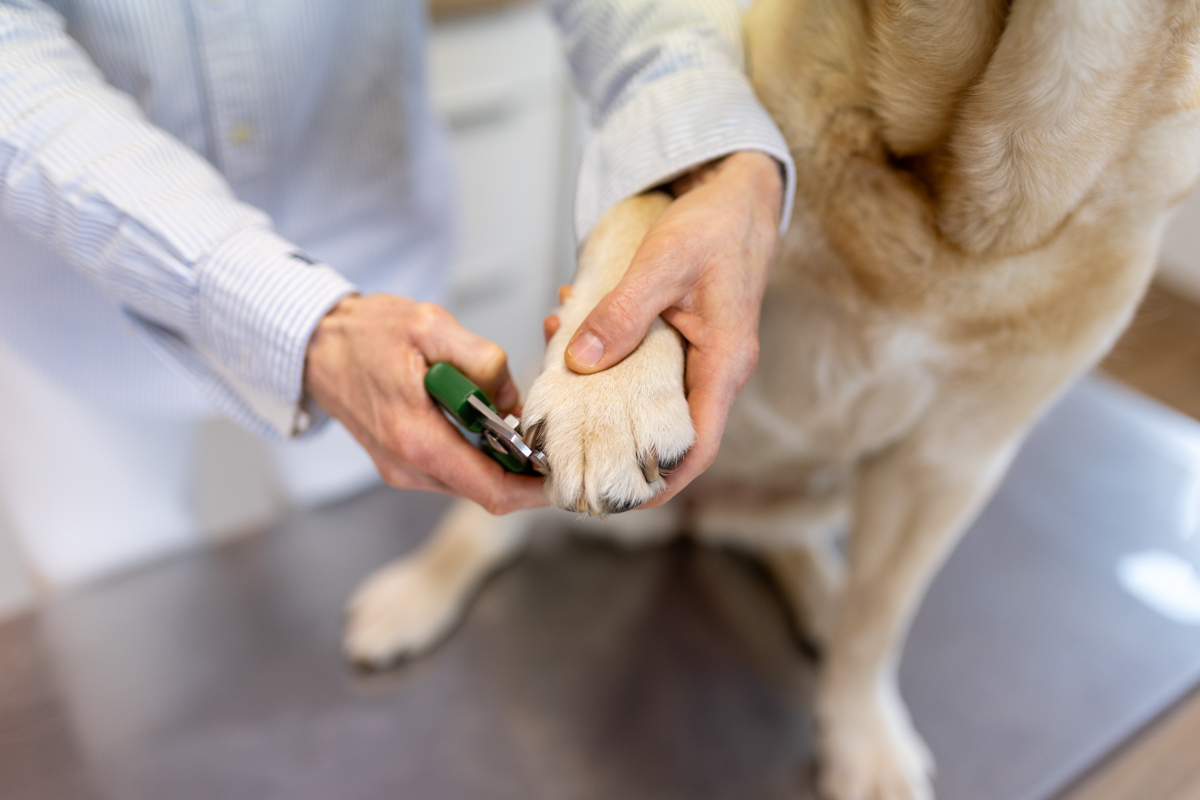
(609, 436)
(410, 605)
(912, 502)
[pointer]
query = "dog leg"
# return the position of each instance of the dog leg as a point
(796, 538)
(410, 605)
(812, 576)
(912, 501)
(610, 436)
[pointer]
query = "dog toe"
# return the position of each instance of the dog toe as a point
(610, 437)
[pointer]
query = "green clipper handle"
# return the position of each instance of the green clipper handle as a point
(450, 388)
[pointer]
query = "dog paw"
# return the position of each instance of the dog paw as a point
(409, 606)
(872, 753)
(610, 437)
(399, 612)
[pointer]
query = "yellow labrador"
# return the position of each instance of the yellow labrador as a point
(982, 188)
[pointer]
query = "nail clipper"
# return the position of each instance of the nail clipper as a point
(466, 404)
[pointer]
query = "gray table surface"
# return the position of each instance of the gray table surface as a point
(587, 671)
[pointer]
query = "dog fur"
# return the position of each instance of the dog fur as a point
(982, 189)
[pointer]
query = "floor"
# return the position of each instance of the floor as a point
(135, 688)
(587, 671)
(1160, 356)
(1160, 352)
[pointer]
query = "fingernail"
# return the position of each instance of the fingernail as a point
(587, 350)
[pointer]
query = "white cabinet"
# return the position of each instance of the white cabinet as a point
(500, 84)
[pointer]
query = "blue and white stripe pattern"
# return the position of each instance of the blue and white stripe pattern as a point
(176, 162)
(667, 88)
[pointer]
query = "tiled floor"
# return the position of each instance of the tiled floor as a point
(1160, 356)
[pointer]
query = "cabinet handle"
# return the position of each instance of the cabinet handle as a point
(481, 116)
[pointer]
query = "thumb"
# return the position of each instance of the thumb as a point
(616, 326)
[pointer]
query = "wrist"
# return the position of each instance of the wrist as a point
(258, 304)
(326, 352)
(761, 173)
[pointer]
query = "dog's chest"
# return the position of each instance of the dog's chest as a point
(831, 386)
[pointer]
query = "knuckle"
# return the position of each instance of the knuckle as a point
(752, 352)
(494, 503)
(495, 360)
(392, 476)
(622, 313)
(430, 317)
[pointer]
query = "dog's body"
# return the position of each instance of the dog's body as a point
(982, 187)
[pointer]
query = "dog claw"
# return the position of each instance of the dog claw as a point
(533, 435)
(650, 467)
(620, 507)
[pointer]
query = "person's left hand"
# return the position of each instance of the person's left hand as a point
(703, 267)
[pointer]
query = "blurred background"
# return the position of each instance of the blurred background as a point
(502, 89)
(501, 86)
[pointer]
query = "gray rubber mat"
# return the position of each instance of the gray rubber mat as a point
(1030, 660)
(587, 671)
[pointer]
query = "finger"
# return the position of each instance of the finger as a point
(619, 253)
(709, 402)
(1058, 100)
(391, 466)
(709, 412)
(923, 56)
(440, 337)
(654, 281)
(565, 293)
(550, 326)
(618, 323)
(404, 476)
(468, 472)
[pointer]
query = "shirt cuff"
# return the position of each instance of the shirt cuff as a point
(229, 395)
(669, 127)
(260, 298)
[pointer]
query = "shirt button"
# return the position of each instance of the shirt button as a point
(241, 134)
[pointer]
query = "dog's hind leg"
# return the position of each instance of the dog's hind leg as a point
(812, 576)
(410, 605)
(912, 501)
(797, 540)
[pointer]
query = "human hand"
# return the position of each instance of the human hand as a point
(703, 267)
(366, 367)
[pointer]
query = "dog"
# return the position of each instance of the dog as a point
(982, 186)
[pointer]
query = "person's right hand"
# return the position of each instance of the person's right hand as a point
(366, 367)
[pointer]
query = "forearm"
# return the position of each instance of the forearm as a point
(666, 86)
(147, 219)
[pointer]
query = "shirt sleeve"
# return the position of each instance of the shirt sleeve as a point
(201, 274)
(666, 85)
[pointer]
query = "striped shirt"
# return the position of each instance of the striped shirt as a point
(188, 186)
